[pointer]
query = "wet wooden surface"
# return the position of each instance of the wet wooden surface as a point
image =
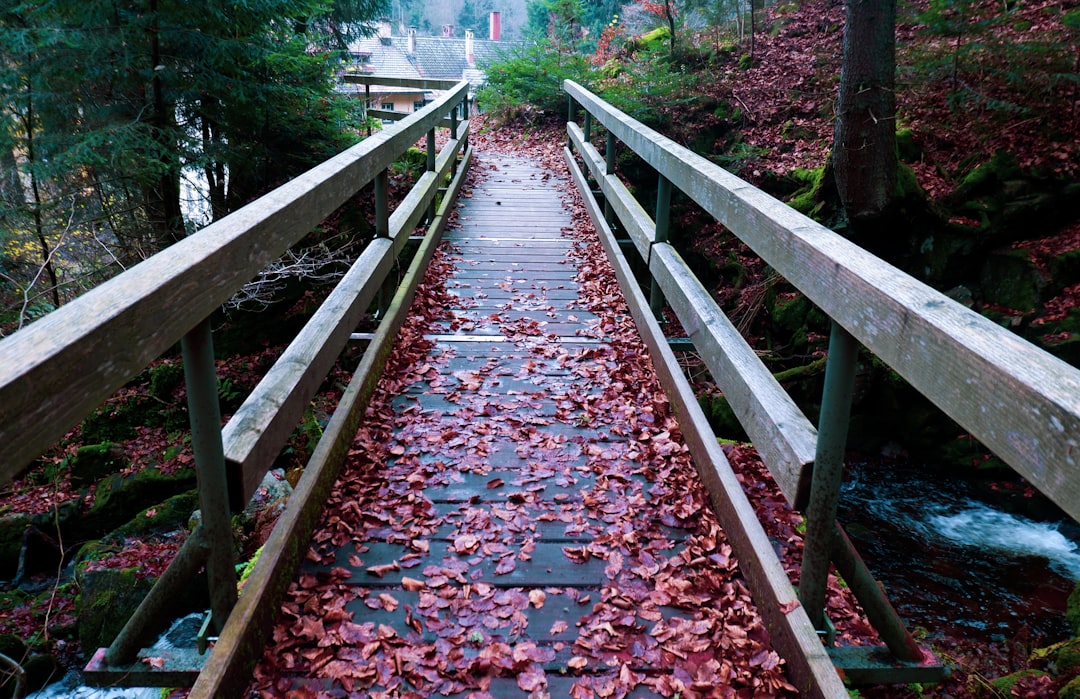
(501, 518)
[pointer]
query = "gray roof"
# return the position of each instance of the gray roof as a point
(435, 57)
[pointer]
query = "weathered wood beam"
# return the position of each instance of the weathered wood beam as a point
(1019, 401)
(790, 630)
(228, 669)
(784, 436)
(55, 371)
(388, 81)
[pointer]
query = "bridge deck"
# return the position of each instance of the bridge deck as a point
(519, 513)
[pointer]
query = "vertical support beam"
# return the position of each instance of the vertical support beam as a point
(205, 413)
(609, 169)
(382, 229)
(382, 205)
(367, 106)
(465, 116)
(828, 472)
(663, 222)
(453, 135)
(570, 113)
(431, 168)
(586, 128)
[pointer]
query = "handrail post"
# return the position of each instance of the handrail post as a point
(382, 229)
(828, 472)
(367, 106)
(382, 205)
(465, 117)
(431, 168)
(609, 169)
(663, 224)
(570, 113)
(204, 411)
(453, 135)
(586, 128)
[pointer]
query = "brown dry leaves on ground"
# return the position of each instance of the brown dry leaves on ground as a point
(685, 611)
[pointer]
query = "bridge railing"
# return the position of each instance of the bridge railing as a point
(54, 372)
(1019, 401)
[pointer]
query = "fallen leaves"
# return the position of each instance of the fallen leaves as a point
(559, 524)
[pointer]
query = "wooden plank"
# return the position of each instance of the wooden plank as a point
(261, 426)
(58, 369)
(1019, 401)
(783, 435)
(227, 670)
(548, 566)
(389, 81)
(391, 115)
(787, 622)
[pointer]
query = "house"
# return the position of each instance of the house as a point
(445, 57)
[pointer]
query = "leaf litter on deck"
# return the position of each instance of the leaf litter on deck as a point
(598, 570)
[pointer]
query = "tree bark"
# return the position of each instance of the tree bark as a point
(864, 140)
(163, 195)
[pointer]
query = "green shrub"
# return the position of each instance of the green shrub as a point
(529, 82)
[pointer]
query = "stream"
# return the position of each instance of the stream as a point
(956, 559)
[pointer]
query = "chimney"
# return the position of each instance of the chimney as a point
(469, 57)
(447, 30)
(494, 26)
(412, 40)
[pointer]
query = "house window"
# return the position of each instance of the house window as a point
(418, 105)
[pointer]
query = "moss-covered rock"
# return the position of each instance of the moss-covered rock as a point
(1070, 690)
(12, 646)
(41, 670)
(1066, 658)
(169, 515)
(1003, 686)
(119, 498)
(107, 599)
(12, 527)
(721, 417)
(1072, 610)
(93, 462)
(1010, 278)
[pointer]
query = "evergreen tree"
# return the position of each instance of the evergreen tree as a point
(106, 104)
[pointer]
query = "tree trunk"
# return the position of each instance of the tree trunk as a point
(864, 142)
(163, 195)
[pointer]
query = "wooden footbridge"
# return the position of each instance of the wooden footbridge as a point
(460, 534)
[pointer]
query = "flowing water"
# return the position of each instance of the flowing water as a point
(181, 633)
(956, 562)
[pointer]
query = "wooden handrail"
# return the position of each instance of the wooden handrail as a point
(1018, 400)
(388, 81)
(57, 370)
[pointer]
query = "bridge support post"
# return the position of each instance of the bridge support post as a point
(663, 224)
(212, 542)
(465, 116)
(609, 169)
(367, 106)
(828, 472)
(431, 168)
(382, 230)
(453, 134)
(571, 112)
(200, 376)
